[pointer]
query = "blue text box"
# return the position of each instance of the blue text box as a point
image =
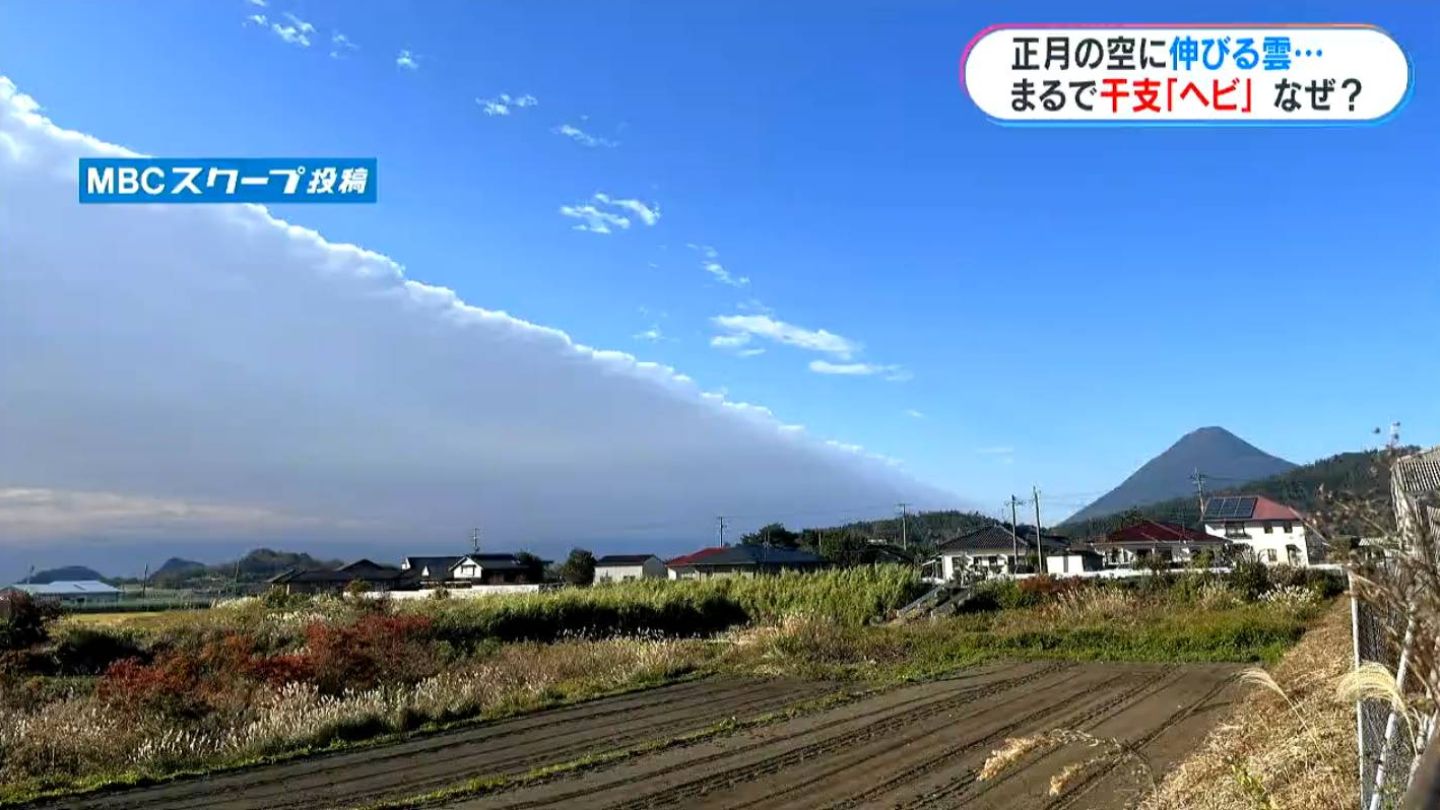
(228, 180)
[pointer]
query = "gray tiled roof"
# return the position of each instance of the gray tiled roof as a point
(998, 538)
(1419, 473)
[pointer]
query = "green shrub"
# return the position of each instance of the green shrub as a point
(1250, 577)
(91, 650)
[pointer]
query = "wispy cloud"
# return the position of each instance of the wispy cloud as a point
(730, 341)
(297, 33)
(504, 103)
(260, 3)
(648, 214)
(594, 218)
(652, 334)
(764, 326)
(341, 46)
(892, 373)
(750, 352)
(582, 137)
(914, 414)
(710, 263)
(407, 60)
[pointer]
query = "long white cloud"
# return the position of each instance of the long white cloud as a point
(261, 381)
(764, 326)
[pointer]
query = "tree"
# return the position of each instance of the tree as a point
(847, 549)
(356, 588)
(774, 535)
(532, 567)
(24, 620)
(578, 568)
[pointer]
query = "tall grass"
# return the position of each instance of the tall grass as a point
(849, 597)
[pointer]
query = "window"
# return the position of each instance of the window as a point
(1234, 528)
(1269, 527)
(1289, 527)
(1270, 555)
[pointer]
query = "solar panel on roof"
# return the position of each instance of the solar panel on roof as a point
(1246, 507)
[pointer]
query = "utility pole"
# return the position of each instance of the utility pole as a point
(1199, 479)
(475, 541)
(904, 533)
(1014, 538)
(145, 580)
(721, 521)
(1039, 555)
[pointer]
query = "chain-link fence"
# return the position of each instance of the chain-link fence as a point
(1385, 748)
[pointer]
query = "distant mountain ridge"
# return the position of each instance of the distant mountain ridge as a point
(1224, 458)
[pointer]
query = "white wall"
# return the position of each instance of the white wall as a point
(652, 569)
(1064, 563)
(472, 592)
(1271, 544)
(953, 561)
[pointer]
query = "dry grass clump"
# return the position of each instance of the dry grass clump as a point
(1288, 744)
(1093, 604)
(1110, 752)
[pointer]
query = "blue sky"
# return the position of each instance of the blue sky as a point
(1063, 303)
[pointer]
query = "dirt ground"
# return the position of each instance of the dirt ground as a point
(923, 745)
(915, 746)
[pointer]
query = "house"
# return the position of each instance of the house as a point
(742, 560)
(375, 576)
(494, 569)
(1272, 531)
(1148, 540)
(992, 549)
(620, 567)
(432, 570)
(1415, 488)
(1074, 561)
(73, 592)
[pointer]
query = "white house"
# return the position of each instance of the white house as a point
(621, 567)
(1153, 542)
(1274, 532)
(992, 550)
(490, 569)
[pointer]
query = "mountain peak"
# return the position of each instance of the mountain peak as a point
(1223, 457)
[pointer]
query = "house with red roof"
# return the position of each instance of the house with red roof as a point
(742, 560)
(1273, 532)
(1149, 541)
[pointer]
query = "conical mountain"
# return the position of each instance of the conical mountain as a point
(1226, 459)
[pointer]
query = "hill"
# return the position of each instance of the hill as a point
(924, 529)
(256, 566)
(1222, 456)
(176, 569)
(67, 573)
(1355, 475)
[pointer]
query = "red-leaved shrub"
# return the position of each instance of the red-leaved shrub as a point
(369, 651)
